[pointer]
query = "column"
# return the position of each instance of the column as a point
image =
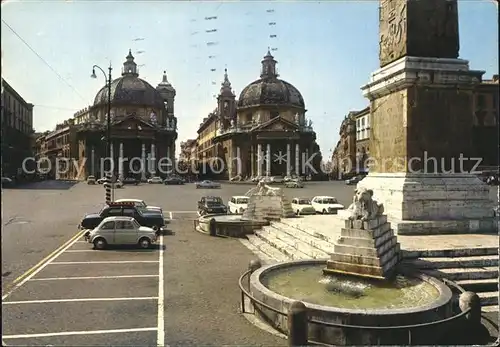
(306, 159)
(143, 162)
(169, 162)
(297, 156)
(120, 162)
(112, 160)
(92, 162)
(288, 159)
(252, 161)
(153, 159)
(259, 160)
(230, 164)
(268, 159)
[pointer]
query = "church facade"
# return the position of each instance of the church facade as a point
(263, 133)
(143, 131)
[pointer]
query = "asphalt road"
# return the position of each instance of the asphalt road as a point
(182, 293)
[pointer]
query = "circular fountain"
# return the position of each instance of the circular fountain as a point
(360, 287)
(265, 204)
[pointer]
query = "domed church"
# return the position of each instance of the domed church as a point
(266, 122)
(143, 125)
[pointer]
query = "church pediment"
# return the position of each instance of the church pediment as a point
(278, 124)
(131, 122)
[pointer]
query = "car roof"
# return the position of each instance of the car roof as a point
(303, 198)
(239, 196)
(212, 197)
(118, 218)
(324, 196)
(126, 200)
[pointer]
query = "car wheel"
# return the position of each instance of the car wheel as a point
(144, 243)
(100, 243)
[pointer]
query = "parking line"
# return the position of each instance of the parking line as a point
(69, 333)
(160, 339)
(91, 278)
(77, 300)
(102, 262)
(171, 215)
(79, 250)
(18, 282)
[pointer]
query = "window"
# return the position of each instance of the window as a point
(108, 226)
(129, 212)
(124, 225)
(114, 212)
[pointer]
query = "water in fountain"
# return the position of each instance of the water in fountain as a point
(304, 283)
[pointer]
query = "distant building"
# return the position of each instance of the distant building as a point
(17, 134)
(266, 122)
(143, 128)
(344, 157)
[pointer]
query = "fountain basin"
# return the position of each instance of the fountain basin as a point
(270, 285)
(230, 225)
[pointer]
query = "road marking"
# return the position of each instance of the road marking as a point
(18, 282)
(160, 340)
(69, 333)
(102, 262)
(79, 250)
(77, 300)
(171, 215)
(91, 278)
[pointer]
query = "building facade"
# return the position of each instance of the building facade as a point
(143, 130)
(262, 133)
(17, 134)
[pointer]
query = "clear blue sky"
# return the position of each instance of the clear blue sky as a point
(326, 49)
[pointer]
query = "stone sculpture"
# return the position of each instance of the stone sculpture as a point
(263, 189)
(297, 118)
(233, 123)
(310, 123)
(364, 207)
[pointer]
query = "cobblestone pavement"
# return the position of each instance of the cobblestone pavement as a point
(78, 296)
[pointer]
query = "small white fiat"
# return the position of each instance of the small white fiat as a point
(326, 204)
(238, 204)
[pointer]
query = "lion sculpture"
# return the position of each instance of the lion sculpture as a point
(363, 206)
(263, 189)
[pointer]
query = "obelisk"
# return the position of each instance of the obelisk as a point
(421, 104)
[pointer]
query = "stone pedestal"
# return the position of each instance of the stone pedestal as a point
(433, 203)
(270, 208)
(365, 249)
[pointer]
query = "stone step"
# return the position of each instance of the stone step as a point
(469, 273)
(366, 242)
(303, 236)
(264, 258)
(303, 225)
(267, 249)
(453, 262)
(363, 233)
(288, 250)
(458, 252)
(490, 308)
(488, 298)
(366, 260)
(479, 285)
(296, 243)
(366, 251)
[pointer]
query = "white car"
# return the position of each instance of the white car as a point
(277, 179)
(207, 184)
(140, 204)
(302, 206)
(155, 180)
(238, 204)
(326, 204)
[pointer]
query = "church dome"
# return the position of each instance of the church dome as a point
(269, 89)
(130, 89)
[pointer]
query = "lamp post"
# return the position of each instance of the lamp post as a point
(108, 121)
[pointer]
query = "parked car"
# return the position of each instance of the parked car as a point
(492, 180)
(238, 204)
(131, 181)
(117, 184)
(326, 204)
(91, 180)
(277, 179)
(121, 230)
(211, 204)
(302, 206)
(139, 204)
(152, 219)
(207, 184)
(294, 184)
(173, 180)
(354, 180)
(155, 180)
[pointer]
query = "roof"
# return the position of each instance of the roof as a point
(125, 200)
(240, 196)
(324, 196)
(272, 91)
(118, 218)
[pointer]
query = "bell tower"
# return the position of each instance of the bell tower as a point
(226, 100)
(167, 91)
(268, 70)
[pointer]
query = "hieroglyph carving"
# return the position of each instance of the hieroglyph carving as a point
(392, 30)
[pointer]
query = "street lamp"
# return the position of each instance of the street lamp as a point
(108, 128)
